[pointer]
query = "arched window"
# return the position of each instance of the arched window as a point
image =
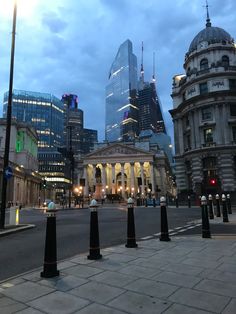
(225, 61)
(204, 64)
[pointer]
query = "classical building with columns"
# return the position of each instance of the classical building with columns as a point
(204, 115)
(127, 170)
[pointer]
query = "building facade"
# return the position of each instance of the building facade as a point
(127, 170)
(42, 111)
(204, 115)
(24, 186)
(150, 115)
(121, 96)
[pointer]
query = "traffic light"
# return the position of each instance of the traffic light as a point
(44, 184)
(212, 181)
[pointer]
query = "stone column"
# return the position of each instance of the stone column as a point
(152, 177)
(113, 178)
(86, 186)
(93, 174)
(104, 176)
(142, 176)
(132, 177)
(122, 180)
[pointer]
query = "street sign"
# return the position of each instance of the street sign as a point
(8, 173)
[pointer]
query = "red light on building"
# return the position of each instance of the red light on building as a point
(212, 181)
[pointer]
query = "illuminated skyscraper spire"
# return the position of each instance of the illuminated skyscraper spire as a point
(142, 68)
(153, 68)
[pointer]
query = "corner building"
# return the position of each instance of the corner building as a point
(204, 115)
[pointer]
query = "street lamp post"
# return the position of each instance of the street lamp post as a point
(8, 126)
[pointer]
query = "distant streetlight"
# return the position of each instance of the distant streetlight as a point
(8, 126)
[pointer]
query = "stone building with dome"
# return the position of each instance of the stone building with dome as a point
(204, 115)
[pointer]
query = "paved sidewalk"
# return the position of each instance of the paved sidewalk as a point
(187, 275)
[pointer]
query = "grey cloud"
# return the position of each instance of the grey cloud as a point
(55, 23)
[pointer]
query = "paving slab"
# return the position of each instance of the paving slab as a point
(202, 300)
(26, 291)
(228, 267)
(230, 308)
(181, 309)
(139, 271)
(59, 303)
(206, 263)
(114, 278)
(8, 305)
(97, 292)
(30, 310)
(108, 264)
(152, 288)
(135, 303)
(186, 270)
(98, 309)
(180, 280)
(65, 283)
(82, 271)
(217, 287)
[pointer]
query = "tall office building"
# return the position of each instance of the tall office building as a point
(74, 123)
(121, 96)
(78, 138)
(150, 112)
(43, 111)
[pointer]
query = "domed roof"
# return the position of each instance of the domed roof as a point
(211, 35)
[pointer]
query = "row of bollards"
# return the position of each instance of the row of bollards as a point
(50, 254)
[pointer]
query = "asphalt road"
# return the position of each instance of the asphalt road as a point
(23, 251)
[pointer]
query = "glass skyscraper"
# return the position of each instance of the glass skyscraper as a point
(43, 111)
(121, 96)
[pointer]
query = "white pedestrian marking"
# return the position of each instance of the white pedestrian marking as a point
(146, 238)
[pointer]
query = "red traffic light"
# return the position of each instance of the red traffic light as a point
(212, 181)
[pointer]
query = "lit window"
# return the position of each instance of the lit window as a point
(208, 135)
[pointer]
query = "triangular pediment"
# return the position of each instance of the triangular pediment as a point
(117, 150)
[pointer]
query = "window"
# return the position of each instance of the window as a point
(203, 88)
(208, 135)
(206, 113)
(204, 64)
(234, 133)
(225, 61)
(233, 110)
(232, 84)
(209, 167)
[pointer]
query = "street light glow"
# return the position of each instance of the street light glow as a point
(25, 8)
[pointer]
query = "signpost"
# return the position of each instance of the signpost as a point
(8, 173)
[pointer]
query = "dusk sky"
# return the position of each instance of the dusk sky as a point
(67, 46)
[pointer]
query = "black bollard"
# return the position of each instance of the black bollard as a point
(224, 209)
(229, 204)
(176, 202)
(205, 221)
(189, 201)
(94, 250)
(211, 212)
(146, 202)
(50, 253)
(131, 241)
(154, 202)
(218, 214)
(164, 222)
